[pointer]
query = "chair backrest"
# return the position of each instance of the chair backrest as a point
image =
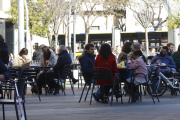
(66, 70)
(13, 72)
(102, 74)
(178, 66)
(29, 72)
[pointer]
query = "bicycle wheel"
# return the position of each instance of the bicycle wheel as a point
(159, 86)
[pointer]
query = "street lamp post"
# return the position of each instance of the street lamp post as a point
(20, 24)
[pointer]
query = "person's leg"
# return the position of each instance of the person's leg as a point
(41, 81)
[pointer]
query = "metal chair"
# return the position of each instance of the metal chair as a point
(144, 84)
(20, 86)
(30, 74)
(66, 72)
(105, 74)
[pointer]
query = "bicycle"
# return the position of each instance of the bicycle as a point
(161, 83)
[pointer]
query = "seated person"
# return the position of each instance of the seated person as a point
(22, 59)
(139, 66)
(87, 62)
(4, 73)
(176, 55)
(165, 60)
(124, 74)
(49, 55)
(105, 59)
(64, 59)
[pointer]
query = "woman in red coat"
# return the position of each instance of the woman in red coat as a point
(105, 55)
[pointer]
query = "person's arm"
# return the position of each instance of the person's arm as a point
(154, 60)
(85, 66)
(133, 64)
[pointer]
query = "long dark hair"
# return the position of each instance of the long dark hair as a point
(178, 52)
(23, 51)
(105, 50)
(126, 47)
(46, 53)
(139, 53)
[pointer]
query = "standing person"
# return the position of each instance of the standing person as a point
(176, 55)
(105, 59)
(98, 47)
(117, 51)
(87, 60)
(3, 51)
(37, 53)
(70, 52)
(22, 59)
(170, 48)
(10, 60)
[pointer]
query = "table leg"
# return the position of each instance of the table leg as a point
(46, 84)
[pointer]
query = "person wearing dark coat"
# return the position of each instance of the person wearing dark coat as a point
(87, 60)
(64, 59)
(4, 73)
(3, 51)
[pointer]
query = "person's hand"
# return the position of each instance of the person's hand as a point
(2, 77)
(26, 65)
(129, 58)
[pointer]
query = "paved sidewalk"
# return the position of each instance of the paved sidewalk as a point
(60, 107)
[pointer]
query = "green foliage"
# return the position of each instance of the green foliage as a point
(39, 18)
(173, 21)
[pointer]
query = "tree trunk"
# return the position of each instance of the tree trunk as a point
(56, 39)
(86, 36)
(30, 53)
(66, 36)
(147, 42)
(49, 39)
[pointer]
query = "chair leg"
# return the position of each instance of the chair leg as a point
(3, 112)
(151, 95)
(87, 92)
(82, 93)
(112, 95)
(24, 111)
(156, 93)
(38, 91)
(71, 86)
(92, 93)
(17, 115)
(46, 89)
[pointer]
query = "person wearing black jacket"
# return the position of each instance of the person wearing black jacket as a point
(64, 59)
(3, 51)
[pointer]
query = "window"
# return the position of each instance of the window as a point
(94, 28)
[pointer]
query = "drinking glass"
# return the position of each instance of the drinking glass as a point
(47, 62)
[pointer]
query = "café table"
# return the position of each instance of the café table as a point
(127, 70)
